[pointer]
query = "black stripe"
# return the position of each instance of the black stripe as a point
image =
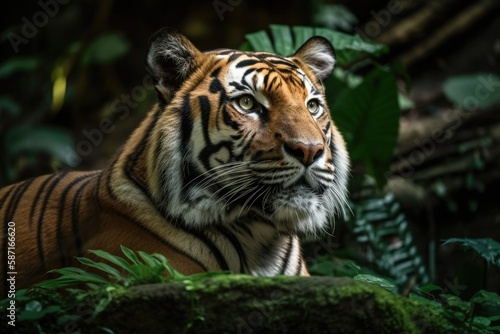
(186, 121)
(222, 52)
(247, 146)
(60, 215)
(75, 217)
(215, 72)
(97, 189)
(327, 127)
(300, 264)
(39, 241)
(242, 225)
(11, 209)
(5, 244)
(287, 256)
(14, 203)
(221, 261)
(205, 117)
(247, 62)
(228, 120)
(216, 86)
(237, 246)
(36, 200)
(238, 86)
(3, 200)
(234, 56)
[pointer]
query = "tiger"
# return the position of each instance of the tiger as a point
(237, 159)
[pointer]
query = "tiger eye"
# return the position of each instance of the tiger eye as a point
(246, 102)
(313, 106)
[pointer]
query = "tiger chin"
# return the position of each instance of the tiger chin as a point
(238, 157)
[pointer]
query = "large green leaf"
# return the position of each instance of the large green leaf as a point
(106, 48)
(28, 139)
(487, 248)
(286, 40)
(384, 283)
(368, 117)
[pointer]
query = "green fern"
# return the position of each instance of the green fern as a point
(47, 306)
(487, 248)
(383, 235)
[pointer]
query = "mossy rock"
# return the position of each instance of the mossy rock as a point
(247, 304)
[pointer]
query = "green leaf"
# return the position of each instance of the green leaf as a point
(428, 288)
(350, 47)
(284, 43)
(106, 48)
(33, 305)
(148, 259)
(484, 297)
(475, 90)
(419, 299)
(482, 321)
(335, 16)
(382, 282)
(323, 268)
(405, 102)
(71, 275)
(28, 139)
(260, 41)
(456, 303)
(487, 248)
(302, 34)
(120, 262)
(18, 64)
(101, 266)
(130, 255)
(368, 118)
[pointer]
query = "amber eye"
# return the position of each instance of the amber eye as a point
(313, 106)
(247, 102)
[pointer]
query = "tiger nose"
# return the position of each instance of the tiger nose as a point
(307, 154)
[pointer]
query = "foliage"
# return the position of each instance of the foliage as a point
(384, 242)
(488, 249)
(480, 314)
(46, 306)
(26, 142)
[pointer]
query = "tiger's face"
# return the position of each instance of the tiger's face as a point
(256, 138)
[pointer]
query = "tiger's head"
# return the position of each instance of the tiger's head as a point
(244, 134)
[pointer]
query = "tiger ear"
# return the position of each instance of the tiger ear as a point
(171, 58)
(319, 55)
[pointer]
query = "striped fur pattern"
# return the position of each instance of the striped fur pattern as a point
(238, 157)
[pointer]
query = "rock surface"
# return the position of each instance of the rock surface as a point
(246, 304)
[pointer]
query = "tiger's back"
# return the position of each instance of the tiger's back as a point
(235, 161)
(46, 214)
(57, 217)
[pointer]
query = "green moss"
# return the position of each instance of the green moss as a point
(240, 303)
